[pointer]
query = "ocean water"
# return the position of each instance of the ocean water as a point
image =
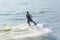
(13, 12)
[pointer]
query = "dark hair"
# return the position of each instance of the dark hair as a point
(27, 11)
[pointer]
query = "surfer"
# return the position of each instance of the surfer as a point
(29, 18)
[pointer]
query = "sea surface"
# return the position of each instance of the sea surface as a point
(13, 12)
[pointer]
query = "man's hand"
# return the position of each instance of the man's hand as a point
(31, 16)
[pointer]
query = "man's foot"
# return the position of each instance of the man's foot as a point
(29, 25)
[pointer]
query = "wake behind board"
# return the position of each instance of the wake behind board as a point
(24, 30)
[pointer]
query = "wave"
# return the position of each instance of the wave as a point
(23, 31)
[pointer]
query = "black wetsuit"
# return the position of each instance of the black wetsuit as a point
(29, 19)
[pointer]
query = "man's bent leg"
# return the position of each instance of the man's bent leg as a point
(33, 22)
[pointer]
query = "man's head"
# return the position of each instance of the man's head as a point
(27, 12)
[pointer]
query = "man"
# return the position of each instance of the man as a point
(29, 18)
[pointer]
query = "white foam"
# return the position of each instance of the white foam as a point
(24, 30)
